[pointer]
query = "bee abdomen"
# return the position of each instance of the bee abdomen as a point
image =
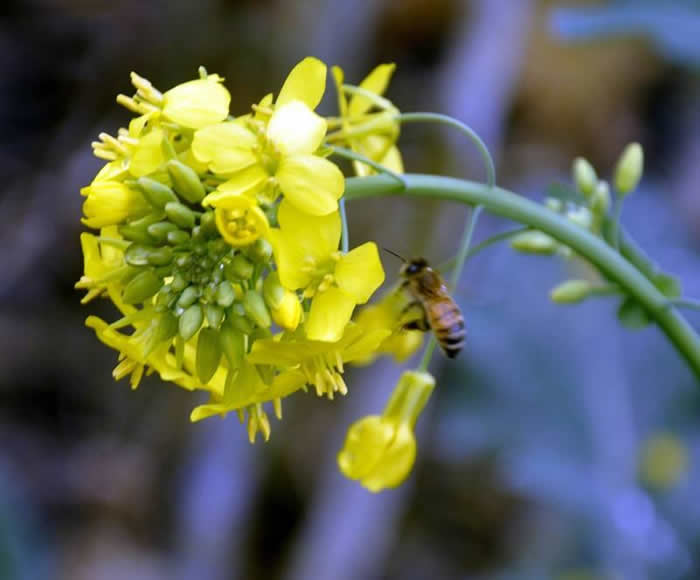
(450, 332)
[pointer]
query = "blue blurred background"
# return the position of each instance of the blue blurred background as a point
(559, 445)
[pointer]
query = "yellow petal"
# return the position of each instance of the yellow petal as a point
(289, 258)
(317, 236)
(148, 155)
(245, 182)
(311, 183)
(306, 83)
(295, 129)
(395, 464)
(330, 311)
(359, 272)
(365, 444)
(375, 82)
(338, 77)
(196, 104)
(226, 147)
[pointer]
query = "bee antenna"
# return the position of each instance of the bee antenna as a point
(400, 257)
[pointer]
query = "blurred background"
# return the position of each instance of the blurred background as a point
(558, 445)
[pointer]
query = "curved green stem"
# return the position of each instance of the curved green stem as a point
(454, 278)
(354, 156)
(685, 303)
(468, 131)
(596, 251)
(617, 215)
(344, 233)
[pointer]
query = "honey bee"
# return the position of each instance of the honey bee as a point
(438, 310)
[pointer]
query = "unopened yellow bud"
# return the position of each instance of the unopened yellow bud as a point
(571, 292)
(584, 176)
(110, 203)
(255, 308)
(629, 169)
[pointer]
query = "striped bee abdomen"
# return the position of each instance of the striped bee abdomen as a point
(447, 323)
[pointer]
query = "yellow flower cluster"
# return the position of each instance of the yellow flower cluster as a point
(218, 240)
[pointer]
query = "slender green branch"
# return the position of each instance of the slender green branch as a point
(449, 264)
(468, 131)
(354, 156)
(509, 205)
(685, 303)
(454, 278)
(344, 233)
(617, 215)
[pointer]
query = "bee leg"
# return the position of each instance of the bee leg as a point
(418, 324)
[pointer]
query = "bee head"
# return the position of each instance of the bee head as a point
(414, 266)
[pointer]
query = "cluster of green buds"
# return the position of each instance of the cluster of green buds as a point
(590, 205)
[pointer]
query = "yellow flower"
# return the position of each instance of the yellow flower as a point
(307, 257)
(136, 353)
(266, 156)
(196, 104)
(386, 314)
(103, 264)
(372, 135)
(379, 451)
(240, 221)
(321, 363)
(110, 203)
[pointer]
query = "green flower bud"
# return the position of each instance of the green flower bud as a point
(260, 251)
(571, 291)
(177, 237)
(134, 234)
(180, 214)
(273, 291)
(215, 315)
(167, 327)
(137, 255)
(629, 169)
(534, 242)
(188, 297)
(208, 354)
(141, 287)
(239, 268)
(233, 345)
(190, 321)
(240, 323)
(159, 230)
(186, 181)
(225, 294)
(584, 176)
(600, 200)
(556, 205)
(156, 193)
(160, 256)
(178, 283)
(255, 308)
(208, 224)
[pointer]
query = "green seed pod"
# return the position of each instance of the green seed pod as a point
(255, 308)
(137, 254)
(534, 242)
(156, 193)
(571, 291)
(629, 169)
(141, 287)
(159, 230)
(240, 268)
(584, 176)
(160, 256)
(215, 315)
(178, 283)
(190, 321)
(260, 251)
(177, 237)
(273, 291)
(186, 181)
(188, 297)
(208, 354)
(225, 294)
(233, 345)
(180, 214)
(167, 327)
